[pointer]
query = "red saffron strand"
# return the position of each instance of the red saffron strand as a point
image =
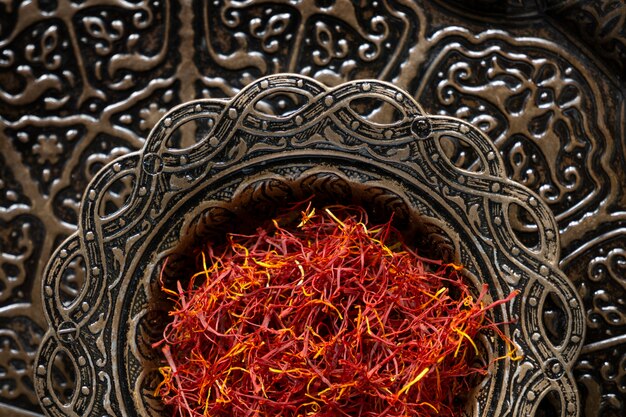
(328, 317)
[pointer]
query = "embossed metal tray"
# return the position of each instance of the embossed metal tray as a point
(440, 176)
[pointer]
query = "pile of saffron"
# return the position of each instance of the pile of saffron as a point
(330, 316)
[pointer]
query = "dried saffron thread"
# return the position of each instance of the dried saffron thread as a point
(330, 317)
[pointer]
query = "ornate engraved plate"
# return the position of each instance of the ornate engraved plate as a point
(248, 161)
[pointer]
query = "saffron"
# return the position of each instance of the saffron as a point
(324, 315)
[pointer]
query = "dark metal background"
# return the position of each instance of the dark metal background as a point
(83, 81)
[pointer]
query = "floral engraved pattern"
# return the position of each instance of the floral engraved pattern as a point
(600, 23)
(69, 70)
(598, 270)
(53, 48)
(333, 41)
(19, 339)
(537, 108)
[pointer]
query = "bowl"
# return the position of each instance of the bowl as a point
(212, 165)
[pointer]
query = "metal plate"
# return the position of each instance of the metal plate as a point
(250, 162)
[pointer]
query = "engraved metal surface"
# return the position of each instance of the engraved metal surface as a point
(83, 82)
(248, 161)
